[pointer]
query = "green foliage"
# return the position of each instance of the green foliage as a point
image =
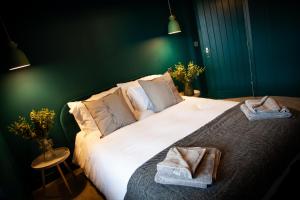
(186, 74)
(41, 122)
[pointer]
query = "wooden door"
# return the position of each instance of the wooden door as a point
(224, 51)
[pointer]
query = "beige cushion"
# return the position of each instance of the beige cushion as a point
(110, 112)
(82, 115)
(161, 91)
(176, 94)
(102, 94)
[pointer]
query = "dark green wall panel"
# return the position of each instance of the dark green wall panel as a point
(222, 31)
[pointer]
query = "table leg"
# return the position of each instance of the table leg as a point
(64, 179)
(70, 170)
(43, 178)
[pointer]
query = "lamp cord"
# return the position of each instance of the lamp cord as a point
(5, 29)
(170, 7)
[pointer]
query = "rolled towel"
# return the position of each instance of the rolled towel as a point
(204, 176)
(283, 113)
(254, 104)
(266, 104)
(284, 110)
(270, 105)
(181, 161)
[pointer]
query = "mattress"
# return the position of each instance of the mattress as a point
(110, 162)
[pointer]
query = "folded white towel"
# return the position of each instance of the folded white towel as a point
(266, 104)
(181, 161)
(204, 176)
(283, 113)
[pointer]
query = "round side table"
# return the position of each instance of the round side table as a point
(51, 159)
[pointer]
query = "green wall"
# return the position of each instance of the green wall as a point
(275, 30)
(276, 39)
(80, 48)
(10, 182)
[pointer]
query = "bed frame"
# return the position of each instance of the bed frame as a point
(70, 129)
(68, 122)
(69, 126)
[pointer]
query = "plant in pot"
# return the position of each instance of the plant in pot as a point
(186, 75)
(41, 122)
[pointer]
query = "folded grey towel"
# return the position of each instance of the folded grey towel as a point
(181, 161)
(266, 104)
(204, 176)
(283, 113)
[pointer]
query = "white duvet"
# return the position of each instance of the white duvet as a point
(109, 162)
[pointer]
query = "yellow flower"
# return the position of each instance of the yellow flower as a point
(186, 74)
(41, 122)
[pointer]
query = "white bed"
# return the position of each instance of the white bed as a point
(109, 162)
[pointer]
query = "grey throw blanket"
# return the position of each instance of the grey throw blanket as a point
(254, 154)
(204, 176)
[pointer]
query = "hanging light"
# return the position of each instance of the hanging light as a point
(173, 26)
(17, 58)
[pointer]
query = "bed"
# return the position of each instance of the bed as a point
(254, 154)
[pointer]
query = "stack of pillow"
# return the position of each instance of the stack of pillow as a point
(110, 110)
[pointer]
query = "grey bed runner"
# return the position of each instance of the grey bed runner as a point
(254, 154)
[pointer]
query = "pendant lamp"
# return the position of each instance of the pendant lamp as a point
(173, 26)
(17, 58)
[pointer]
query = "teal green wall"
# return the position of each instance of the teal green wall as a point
(10, 182)
(80, 48)
(276, 40)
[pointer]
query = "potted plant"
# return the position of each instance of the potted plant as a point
(41, 122)
(186, 75)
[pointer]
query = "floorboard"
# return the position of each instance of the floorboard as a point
(82, 189)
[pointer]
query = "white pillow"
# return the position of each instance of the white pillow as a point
(139, 99)
(83, 118)
(124, 87)
(82, 115)
(127, 85)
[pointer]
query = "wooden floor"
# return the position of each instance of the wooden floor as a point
(82, 189)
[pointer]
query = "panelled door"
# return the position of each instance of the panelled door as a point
(223, 42)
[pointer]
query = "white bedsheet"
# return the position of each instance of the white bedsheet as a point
(109, 162)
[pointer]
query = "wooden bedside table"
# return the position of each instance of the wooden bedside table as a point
(59, 156)
(196, 93)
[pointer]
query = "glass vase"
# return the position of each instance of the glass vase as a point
(188, 89)
(46, 146)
